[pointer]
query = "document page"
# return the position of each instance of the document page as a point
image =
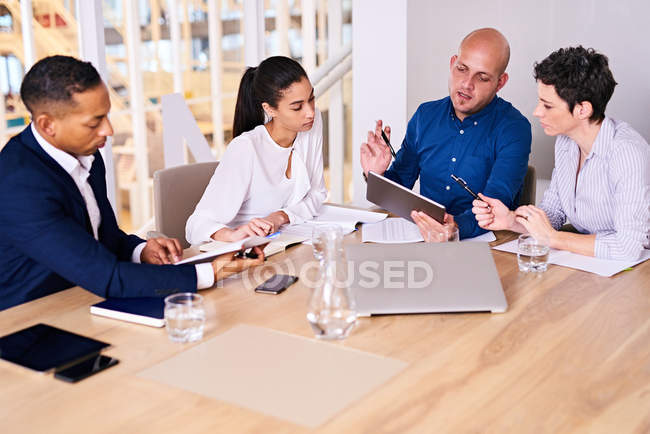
(602, 267)
(399, 230)
(341, 215)
(392, 230)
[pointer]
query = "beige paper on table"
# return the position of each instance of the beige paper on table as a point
(289, 377)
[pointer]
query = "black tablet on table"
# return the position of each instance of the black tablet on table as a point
(43, 348)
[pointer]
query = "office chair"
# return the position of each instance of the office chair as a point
(176, 191)
(528, 190)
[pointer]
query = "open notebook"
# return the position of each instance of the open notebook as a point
(222, 247)
(289, 235)
(277, 243)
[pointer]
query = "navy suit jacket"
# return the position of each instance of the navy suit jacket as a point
(46, 240)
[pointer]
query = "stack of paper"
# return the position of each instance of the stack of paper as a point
(346, 218)
(602, 267)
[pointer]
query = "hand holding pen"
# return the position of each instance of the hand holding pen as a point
(387, 140)
(492, 215)
(376, 153)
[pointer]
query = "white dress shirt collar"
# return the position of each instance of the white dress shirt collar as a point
(65, 160)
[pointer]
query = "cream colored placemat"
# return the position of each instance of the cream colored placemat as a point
(301, 380)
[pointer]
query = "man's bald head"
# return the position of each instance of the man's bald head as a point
(490, 41)
(477, 72)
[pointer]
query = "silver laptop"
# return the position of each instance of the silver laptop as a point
(424, 278)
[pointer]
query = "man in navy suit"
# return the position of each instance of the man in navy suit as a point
(57, 227)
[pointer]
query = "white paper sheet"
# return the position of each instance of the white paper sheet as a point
(602, 267)
(398, 230)
(346, 218)
(341, 215)
(390, 231)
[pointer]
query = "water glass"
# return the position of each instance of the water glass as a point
(532, 256)
(321, 235)
(448, 233)
(184, 317)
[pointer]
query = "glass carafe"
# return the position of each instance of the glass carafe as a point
(331, 311)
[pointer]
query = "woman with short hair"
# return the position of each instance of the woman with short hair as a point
(601, 179)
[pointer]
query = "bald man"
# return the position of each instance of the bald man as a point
(472, 133)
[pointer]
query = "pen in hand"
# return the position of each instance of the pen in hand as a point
(383, 136)
(463, 184)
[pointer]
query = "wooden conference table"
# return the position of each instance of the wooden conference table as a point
(572, 353)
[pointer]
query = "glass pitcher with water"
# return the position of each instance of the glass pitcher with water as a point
(331, 311)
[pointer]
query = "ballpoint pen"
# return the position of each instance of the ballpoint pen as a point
(383, 136)
(463, 184)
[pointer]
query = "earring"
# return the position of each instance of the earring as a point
(267, 117)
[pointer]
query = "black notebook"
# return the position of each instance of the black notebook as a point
(142, 310)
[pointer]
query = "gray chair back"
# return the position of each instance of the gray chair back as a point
(176, 191)
(529, 188)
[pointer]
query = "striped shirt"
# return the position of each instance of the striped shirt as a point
(612, 195)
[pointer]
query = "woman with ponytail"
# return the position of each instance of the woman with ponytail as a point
(272, 171)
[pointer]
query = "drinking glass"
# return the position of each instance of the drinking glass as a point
(184, 317)
(532, 256)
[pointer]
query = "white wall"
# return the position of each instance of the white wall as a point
(402, 56)
(379, 75)
(618, 29)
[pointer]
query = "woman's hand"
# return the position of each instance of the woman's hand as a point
(536, 222)
(260, 227)
(492, 214)
(277, 219)
(229, 263)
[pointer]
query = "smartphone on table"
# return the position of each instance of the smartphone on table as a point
(276, 284)
(86, 368)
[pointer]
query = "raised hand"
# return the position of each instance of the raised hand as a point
(375, 154)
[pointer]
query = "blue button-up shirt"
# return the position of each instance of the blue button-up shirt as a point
(489, 150)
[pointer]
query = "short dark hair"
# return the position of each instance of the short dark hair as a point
(264, 83)
(57, 79)
(578, 74)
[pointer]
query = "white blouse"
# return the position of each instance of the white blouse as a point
(250, 182)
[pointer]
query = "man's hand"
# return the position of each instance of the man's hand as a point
(161, 251)
(375, 154)
(430, 228)
(228, 264)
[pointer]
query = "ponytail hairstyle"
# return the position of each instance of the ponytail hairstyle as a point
(264, 83)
